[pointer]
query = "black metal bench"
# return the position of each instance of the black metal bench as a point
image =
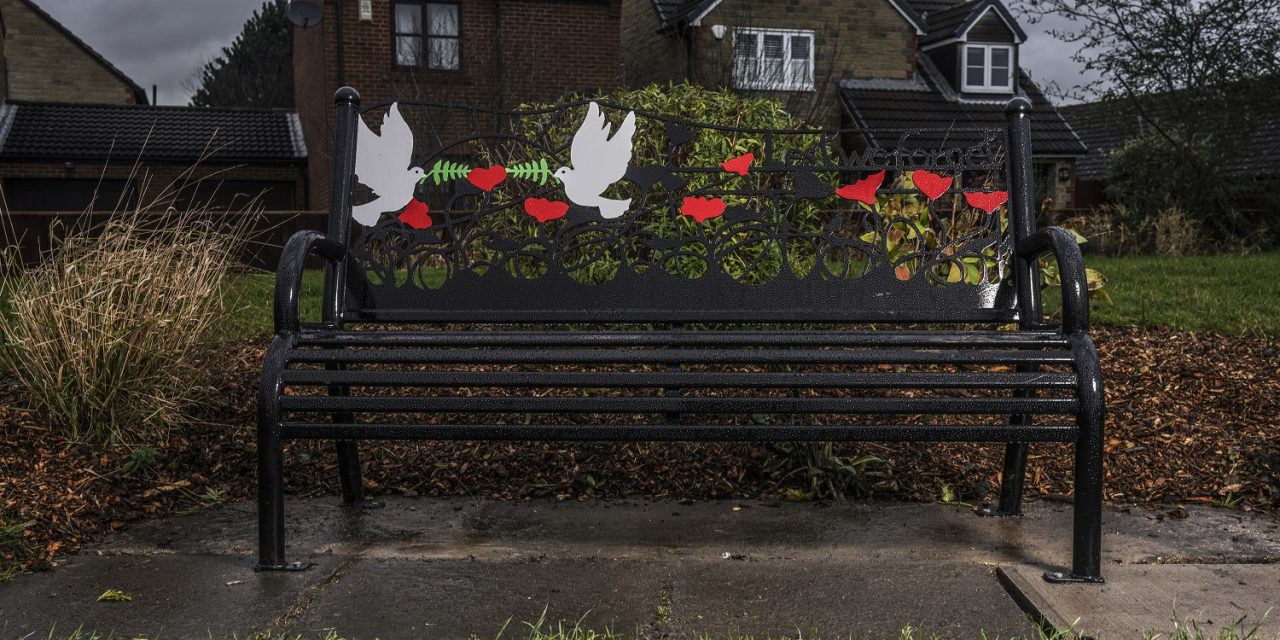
(772, 297)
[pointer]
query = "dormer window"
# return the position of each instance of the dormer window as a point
(988, 68)
(773, 59)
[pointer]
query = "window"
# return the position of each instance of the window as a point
(773, 59)
(988, 68)
(426, 35)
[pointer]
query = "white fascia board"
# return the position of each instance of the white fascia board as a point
(697, 20)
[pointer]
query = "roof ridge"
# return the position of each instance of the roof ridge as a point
(148, 107)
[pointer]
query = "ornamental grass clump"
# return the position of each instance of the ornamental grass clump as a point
(104, 336)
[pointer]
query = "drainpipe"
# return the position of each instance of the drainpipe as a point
(689, 33)
(342, 72)
(500, 66)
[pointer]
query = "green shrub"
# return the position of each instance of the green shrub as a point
(104, 335)
(1177, 186)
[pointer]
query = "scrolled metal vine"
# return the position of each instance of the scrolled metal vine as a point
(782, 218)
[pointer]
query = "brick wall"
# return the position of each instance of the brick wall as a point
(42, 64)
(649, 56)
(852, 39)
(513, 51)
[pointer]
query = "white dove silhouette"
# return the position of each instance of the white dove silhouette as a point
(598, 161)
(382, 164)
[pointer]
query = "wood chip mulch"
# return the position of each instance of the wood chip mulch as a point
(1192, 418)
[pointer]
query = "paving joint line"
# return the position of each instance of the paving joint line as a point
(308, 597)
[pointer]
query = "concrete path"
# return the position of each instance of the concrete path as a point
(432, 568)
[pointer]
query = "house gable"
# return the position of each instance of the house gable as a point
(36, 43)
(974, 46)
(979, 21)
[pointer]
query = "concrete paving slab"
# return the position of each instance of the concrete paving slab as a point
(859, 599)
(173, 596)
(486, 529)
(466, 565)
(1138, 599)
(395, 599)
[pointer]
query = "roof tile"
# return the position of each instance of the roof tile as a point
(905, 109)
(36, 130)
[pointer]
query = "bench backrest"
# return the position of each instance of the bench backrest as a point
(589, 211)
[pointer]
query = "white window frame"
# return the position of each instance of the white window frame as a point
(759, 83)
(986, 86)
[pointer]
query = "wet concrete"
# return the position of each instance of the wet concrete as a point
(459, 568)
(1217, 597)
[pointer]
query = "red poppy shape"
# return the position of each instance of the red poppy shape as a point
(487, 179)
(931, 184)
(415, 214)
(739, 165)
(864, 190)
(702, 209)
(544, 210)
(986, 200)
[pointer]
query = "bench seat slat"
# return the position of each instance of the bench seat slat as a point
(687, 432)
(720, 405)
(1028, 339)
(757, 380)
(655, 356)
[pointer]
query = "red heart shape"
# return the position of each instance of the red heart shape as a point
(931, 184)
(702, 209)
(487, 179)
(415, 214)
(864, 190)
(543, 210)
(739, 165)
(987, 201)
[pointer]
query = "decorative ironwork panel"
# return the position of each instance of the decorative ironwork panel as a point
(592, 210)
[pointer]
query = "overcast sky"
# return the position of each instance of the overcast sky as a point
(163, 42)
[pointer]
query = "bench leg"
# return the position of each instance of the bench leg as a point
(348, 454)
(349, 471)
(270, 499)
(1086, 542)
(271, 464)
(1015, 471)
(1015, 467)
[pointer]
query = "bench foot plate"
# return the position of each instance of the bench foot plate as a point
(1063, 577)
(288, 566)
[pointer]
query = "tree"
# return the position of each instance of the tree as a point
(1200, 75)
(256, 70)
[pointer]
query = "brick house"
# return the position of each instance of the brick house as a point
(42, 60)
(72, 125)
(78, 140)
(496, 54)
(864, 63)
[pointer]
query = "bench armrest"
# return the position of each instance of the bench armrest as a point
(1075, 287)
(289, 274)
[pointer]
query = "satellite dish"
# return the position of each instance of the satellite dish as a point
(304, 13)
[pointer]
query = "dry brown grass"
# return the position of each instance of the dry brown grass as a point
(103, 334)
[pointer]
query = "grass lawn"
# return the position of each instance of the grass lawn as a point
(252, 296)
(1233, 295)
